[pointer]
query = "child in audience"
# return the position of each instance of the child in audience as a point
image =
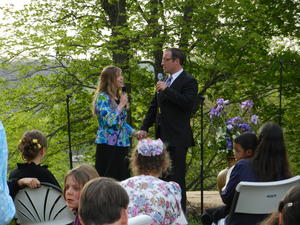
(147, 193)
(288, 209)
(244, 146)
(269, 163)
(103, 202)
(75, 179)
(33, 147)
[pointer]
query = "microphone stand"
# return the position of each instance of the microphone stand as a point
(201, 150)
(69, 130)
(280, 94)
(158, 77)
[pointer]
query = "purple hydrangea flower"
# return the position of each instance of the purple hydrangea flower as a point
(215, 112)
(229, 127)
(254, 119)
(229, 121)
(244, 127)
(219, 109)
(212, 113)
(247, 105)
(229, 144)
(221, 101)
(234, 121)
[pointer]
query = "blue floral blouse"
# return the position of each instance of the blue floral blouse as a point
(113, 128)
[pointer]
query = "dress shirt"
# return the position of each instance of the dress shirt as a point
(175, 75)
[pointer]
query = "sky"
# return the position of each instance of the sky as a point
(18, 3)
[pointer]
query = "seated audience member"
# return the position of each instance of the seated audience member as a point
(147, 193)
(103, 202)
(269, 163)
(273, 219)
(7, 208)
(244, 146)
(288, 210)
(75, 179)
(33, 146)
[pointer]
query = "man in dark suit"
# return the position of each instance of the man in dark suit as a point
(171, 109)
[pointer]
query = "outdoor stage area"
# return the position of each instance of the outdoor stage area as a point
(210, 199)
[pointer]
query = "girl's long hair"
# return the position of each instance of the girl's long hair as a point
(270, 161)
(81, 174)
(290, 206)
(107, 84)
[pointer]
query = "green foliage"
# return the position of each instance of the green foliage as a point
(55, 48)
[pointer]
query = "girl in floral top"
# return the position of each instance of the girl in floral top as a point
(147, 193)
(113, 134)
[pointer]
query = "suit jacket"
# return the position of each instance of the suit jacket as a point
(171, 109)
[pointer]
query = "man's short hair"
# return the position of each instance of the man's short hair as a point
(101, 201)
(177, 54)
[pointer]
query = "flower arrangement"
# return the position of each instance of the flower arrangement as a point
(227, 128)
(150, 147)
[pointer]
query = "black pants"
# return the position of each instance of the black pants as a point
(112, 161)
(178, 171)
(214, 214)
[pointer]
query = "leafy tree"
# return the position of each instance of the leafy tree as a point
(56, 48)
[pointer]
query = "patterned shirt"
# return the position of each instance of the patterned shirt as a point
(113, 128)
(154, 197)
(7, 208)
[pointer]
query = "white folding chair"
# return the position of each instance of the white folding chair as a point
(140, 220)
(258, 197)
(42, 206)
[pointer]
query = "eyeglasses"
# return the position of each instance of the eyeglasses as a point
(167, 59)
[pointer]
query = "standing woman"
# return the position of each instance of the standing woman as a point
(113, 134)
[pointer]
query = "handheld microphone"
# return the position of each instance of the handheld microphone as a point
(124, 90)
(160, 77)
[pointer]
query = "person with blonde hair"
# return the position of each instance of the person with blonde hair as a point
(148, 194)
(75, 180)
(109, 106)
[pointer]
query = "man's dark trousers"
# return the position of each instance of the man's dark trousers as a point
(178, 171)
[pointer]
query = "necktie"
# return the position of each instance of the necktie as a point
(169, 80)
